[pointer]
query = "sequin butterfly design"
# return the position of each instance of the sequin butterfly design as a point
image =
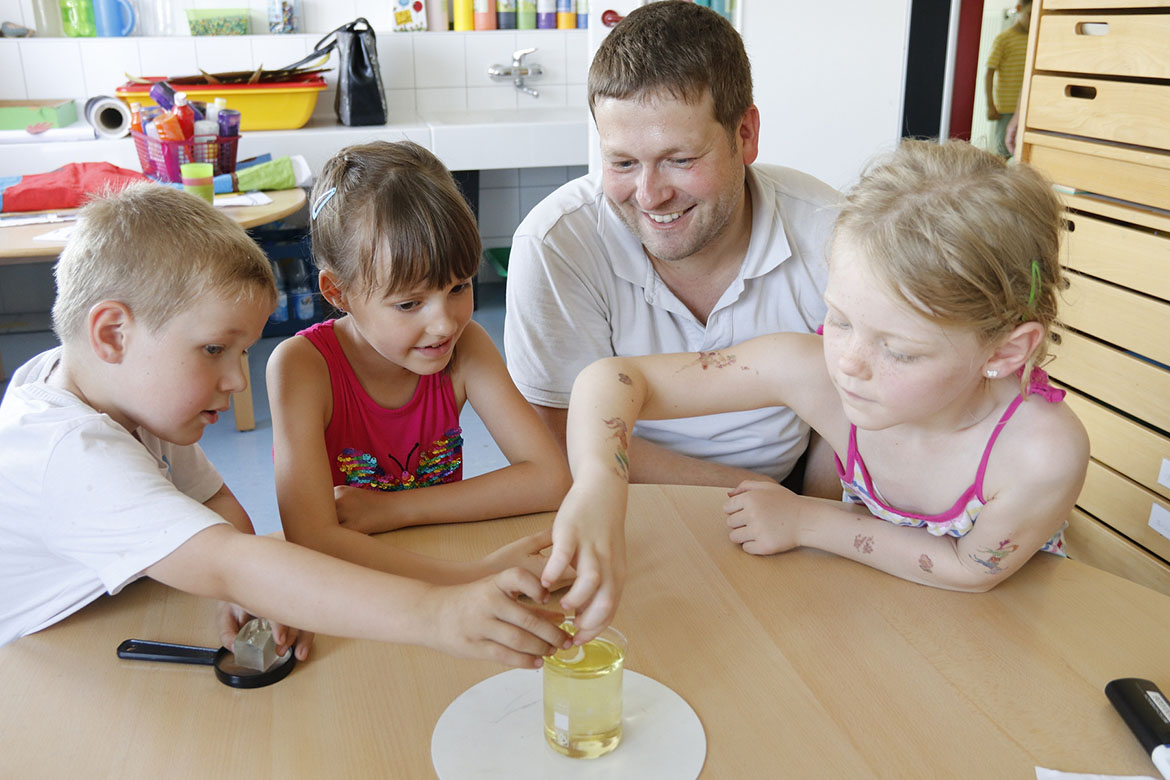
(436, 465)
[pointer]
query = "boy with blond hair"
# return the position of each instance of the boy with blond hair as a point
(102, 481)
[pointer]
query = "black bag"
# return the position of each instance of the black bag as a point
(360, 98)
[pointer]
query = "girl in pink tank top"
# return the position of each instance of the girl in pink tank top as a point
(365, 408)
(957, 458)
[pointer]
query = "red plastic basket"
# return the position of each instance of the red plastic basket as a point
(160, 160)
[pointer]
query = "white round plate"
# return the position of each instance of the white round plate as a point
(495, 729)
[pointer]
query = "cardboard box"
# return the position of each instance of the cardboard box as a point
(19, 114)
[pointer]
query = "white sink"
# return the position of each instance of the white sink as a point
(515, 138)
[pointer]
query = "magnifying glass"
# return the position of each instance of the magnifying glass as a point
(226, 669)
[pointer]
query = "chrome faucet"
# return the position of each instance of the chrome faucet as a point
(518, 72)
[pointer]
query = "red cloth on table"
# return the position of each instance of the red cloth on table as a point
(67, 187)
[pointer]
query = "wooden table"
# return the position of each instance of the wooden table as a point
(799, 665)
(18, 245)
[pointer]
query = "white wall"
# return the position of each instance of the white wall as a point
(828, 78)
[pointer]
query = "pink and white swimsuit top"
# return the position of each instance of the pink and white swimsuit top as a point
(858, 486)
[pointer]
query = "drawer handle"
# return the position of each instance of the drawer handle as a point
(1092, 28)
(1080, 92)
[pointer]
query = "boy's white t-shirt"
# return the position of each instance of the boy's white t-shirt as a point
(85, 506)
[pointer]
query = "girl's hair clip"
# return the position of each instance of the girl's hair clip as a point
(322, 199)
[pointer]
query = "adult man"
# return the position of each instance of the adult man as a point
(680, 244)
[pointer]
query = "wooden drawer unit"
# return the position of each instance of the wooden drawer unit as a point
(1113, 171)
(1122, 254)
(1128, 448)
(1135, 386)
(1095, 114)
(1120, 111)
(1091, 541)
(1133, 322)
(1125, 507)
(1106, 44)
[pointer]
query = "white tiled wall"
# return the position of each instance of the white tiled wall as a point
(421, 72)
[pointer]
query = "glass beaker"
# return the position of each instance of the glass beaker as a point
(583, 695)
(77, 18)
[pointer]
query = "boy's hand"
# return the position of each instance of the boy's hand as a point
(590, 535)
(483, 619)
(762, 517)
(525, 553)
(230, 618)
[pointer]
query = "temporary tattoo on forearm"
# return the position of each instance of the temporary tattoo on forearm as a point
(863, 544)
(713, 359)
(625, 380)
(925, 563)
(621, 433)
(995, 557)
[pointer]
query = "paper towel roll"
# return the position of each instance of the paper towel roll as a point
(109, 116)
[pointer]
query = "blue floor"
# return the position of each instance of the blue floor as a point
(244, 458)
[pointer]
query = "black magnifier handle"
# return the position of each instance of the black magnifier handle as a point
(146, 650)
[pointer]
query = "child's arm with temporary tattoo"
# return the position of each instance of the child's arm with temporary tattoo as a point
(608, 397)
(1032, 483)
(299, 397)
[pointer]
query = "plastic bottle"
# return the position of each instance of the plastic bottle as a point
(136, 117)
(546, 14)
(184, 114)
(526, 15)
(300, 293)
(163, 94)
(214, 108)
(280, 313)
(506, 14)
(566, 15)
(485, 14)
(229, 122)
(169, 128)
(463, 15)
(204, 147)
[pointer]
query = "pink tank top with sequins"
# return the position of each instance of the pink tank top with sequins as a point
(370, 446)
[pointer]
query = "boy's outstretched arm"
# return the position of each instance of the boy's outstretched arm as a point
(231, 617)
(297, 586)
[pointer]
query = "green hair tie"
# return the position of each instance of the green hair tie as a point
(1036, 282)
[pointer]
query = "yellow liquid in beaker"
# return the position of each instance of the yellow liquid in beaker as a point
(583, 699)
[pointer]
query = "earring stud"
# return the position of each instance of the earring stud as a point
(992, 373)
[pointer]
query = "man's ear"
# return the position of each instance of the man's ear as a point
(749, 134)
(107, 326)
(331, 290)
(1014, 350)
